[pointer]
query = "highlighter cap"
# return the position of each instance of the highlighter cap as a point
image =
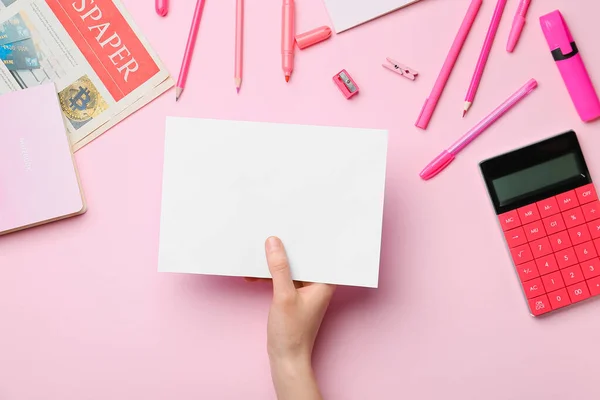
(557, 32)
(570, 64)
(313, 36)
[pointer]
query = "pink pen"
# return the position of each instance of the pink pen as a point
(517, 26)
(571, 67)
(162, 7)
(447, 156)
(288, 31)
(484, 55)
(440, 83)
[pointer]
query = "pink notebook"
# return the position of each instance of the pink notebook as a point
(38, 177)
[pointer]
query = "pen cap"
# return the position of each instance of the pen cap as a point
(570, 64)
(313, 36)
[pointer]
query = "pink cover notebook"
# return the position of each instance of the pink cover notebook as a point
(38, 177)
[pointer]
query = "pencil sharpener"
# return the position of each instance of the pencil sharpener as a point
(345, 83)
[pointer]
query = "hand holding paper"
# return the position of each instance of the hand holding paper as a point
(227, 185)
(294, 321)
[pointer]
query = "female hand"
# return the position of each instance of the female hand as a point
(295, 317)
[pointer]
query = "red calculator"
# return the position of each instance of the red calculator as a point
(550, 217)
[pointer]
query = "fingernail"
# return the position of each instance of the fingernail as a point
(273, 244)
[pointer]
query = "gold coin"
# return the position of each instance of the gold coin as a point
(81, 101)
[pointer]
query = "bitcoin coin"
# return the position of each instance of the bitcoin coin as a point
(81, 101)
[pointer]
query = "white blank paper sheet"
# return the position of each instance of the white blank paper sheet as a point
(346, 14)
(228, 185)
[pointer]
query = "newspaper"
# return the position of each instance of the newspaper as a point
(102, 66)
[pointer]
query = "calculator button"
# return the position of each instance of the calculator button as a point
(553, 281)
(528, 271)
(541, 247)
(594, 285)
(585, 251)
(539, 305)
(528, 214)
(515, 237)
(578, 292)
(591, 268)
(586, 194)
(554, 224)
(546, 264)
(597, 244)
(591, 211)
(594, 228)
(572, 275)
(566, 258)
(580, 234)
(547, 207)
(521, 254)
(560, 241)
(509, 220)
(559, 299)
(534, 230)
(573, 217)
(567, 200)
(534, 288)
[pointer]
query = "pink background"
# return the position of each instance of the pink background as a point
(85, 315)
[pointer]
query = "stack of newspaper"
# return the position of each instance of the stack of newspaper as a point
(103, 68)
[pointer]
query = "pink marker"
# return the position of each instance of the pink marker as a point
(571, 67)
(447, 156)
(518, 24)
(440, 83)
(288, 32)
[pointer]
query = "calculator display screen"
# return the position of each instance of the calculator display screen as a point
(537, 177)
(535, 172)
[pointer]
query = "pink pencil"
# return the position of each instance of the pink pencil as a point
(239, 44)
(189, 49)
(440, 83)
(447, 156)
(485, 53)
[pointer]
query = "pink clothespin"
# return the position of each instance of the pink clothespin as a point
(400, 69)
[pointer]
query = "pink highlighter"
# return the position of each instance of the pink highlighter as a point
(571, 67)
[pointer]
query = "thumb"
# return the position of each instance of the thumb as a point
(279, 267)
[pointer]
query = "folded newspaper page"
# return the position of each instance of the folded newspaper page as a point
(102, 66)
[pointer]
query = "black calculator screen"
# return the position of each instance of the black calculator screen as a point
(540, 176)
(535, 172)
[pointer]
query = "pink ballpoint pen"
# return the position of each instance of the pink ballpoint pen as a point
(189, 49)
(239, 44)
(485, 53)
(518, 24)
(447, 156)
